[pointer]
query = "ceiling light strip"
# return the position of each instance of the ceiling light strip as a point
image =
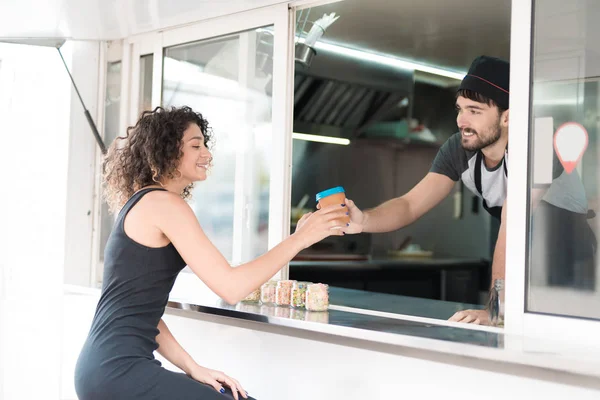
(320, 139)
(384, 59)
(388, 60)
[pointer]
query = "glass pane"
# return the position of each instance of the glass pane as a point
(112, 106)
(112, 102)
(563, 274)
(146, 68)
(228, 80)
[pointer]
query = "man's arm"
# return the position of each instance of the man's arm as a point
(482, 317)
(402, 211)
(397, 213)
(498, 263)
(499, 260)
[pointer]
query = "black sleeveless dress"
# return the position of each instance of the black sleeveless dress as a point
(117, 360)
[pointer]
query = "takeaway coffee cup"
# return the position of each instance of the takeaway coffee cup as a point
(336, 195)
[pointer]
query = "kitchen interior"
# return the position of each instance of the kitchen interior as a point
(378, 127)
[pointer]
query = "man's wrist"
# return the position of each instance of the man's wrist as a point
(365, 221)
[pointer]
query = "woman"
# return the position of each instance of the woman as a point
(148, 175)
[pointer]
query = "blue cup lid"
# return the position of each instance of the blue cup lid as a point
(329, 192)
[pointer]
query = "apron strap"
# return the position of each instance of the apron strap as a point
(495, 212)
(478, 160)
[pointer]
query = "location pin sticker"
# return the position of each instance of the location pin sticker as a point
(570, 142)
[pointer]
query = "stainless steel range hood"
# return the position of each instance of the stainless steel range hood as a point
(343, 96)
(352, 98)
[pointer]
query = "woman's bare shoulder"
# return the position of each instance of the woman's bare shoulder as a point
(164, 203)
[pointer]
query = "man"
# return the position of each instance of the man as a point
(477, 154)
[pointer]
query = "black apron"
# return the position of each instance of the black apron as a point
(495, 212)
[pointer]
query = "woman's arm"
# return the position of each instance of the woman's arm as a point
(169, 348)
(177, 221)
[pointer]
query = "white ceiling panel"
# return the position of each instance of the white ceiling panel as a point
(446, 33)
(109, 19)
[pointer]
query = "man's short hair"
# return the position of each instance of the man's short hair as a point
(478, 97)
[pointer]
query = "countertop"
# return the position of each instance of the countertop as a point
(344, 317)
(395, 262)
(391, 303)
(409, 333)
(488, 344)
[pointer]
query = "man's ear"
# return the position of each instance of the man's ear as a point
(504, 119)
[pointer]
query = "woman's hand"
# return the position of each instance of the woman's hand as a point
(217, 379)
(302, 220)
(328, 221)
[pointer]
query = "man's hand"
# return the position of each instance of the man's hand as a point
(357, 218)
(477, 317)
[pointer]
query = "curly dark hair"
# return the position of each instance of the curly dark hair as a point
(149, 152)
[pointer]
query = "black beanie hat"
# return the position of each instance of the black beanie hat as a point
(489, 76)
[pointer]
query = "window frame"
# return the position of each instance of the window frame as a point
(109, 52)
(519, 321)
(129, 51)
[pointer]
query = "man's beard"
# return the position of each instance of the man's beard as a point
(481, 142)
